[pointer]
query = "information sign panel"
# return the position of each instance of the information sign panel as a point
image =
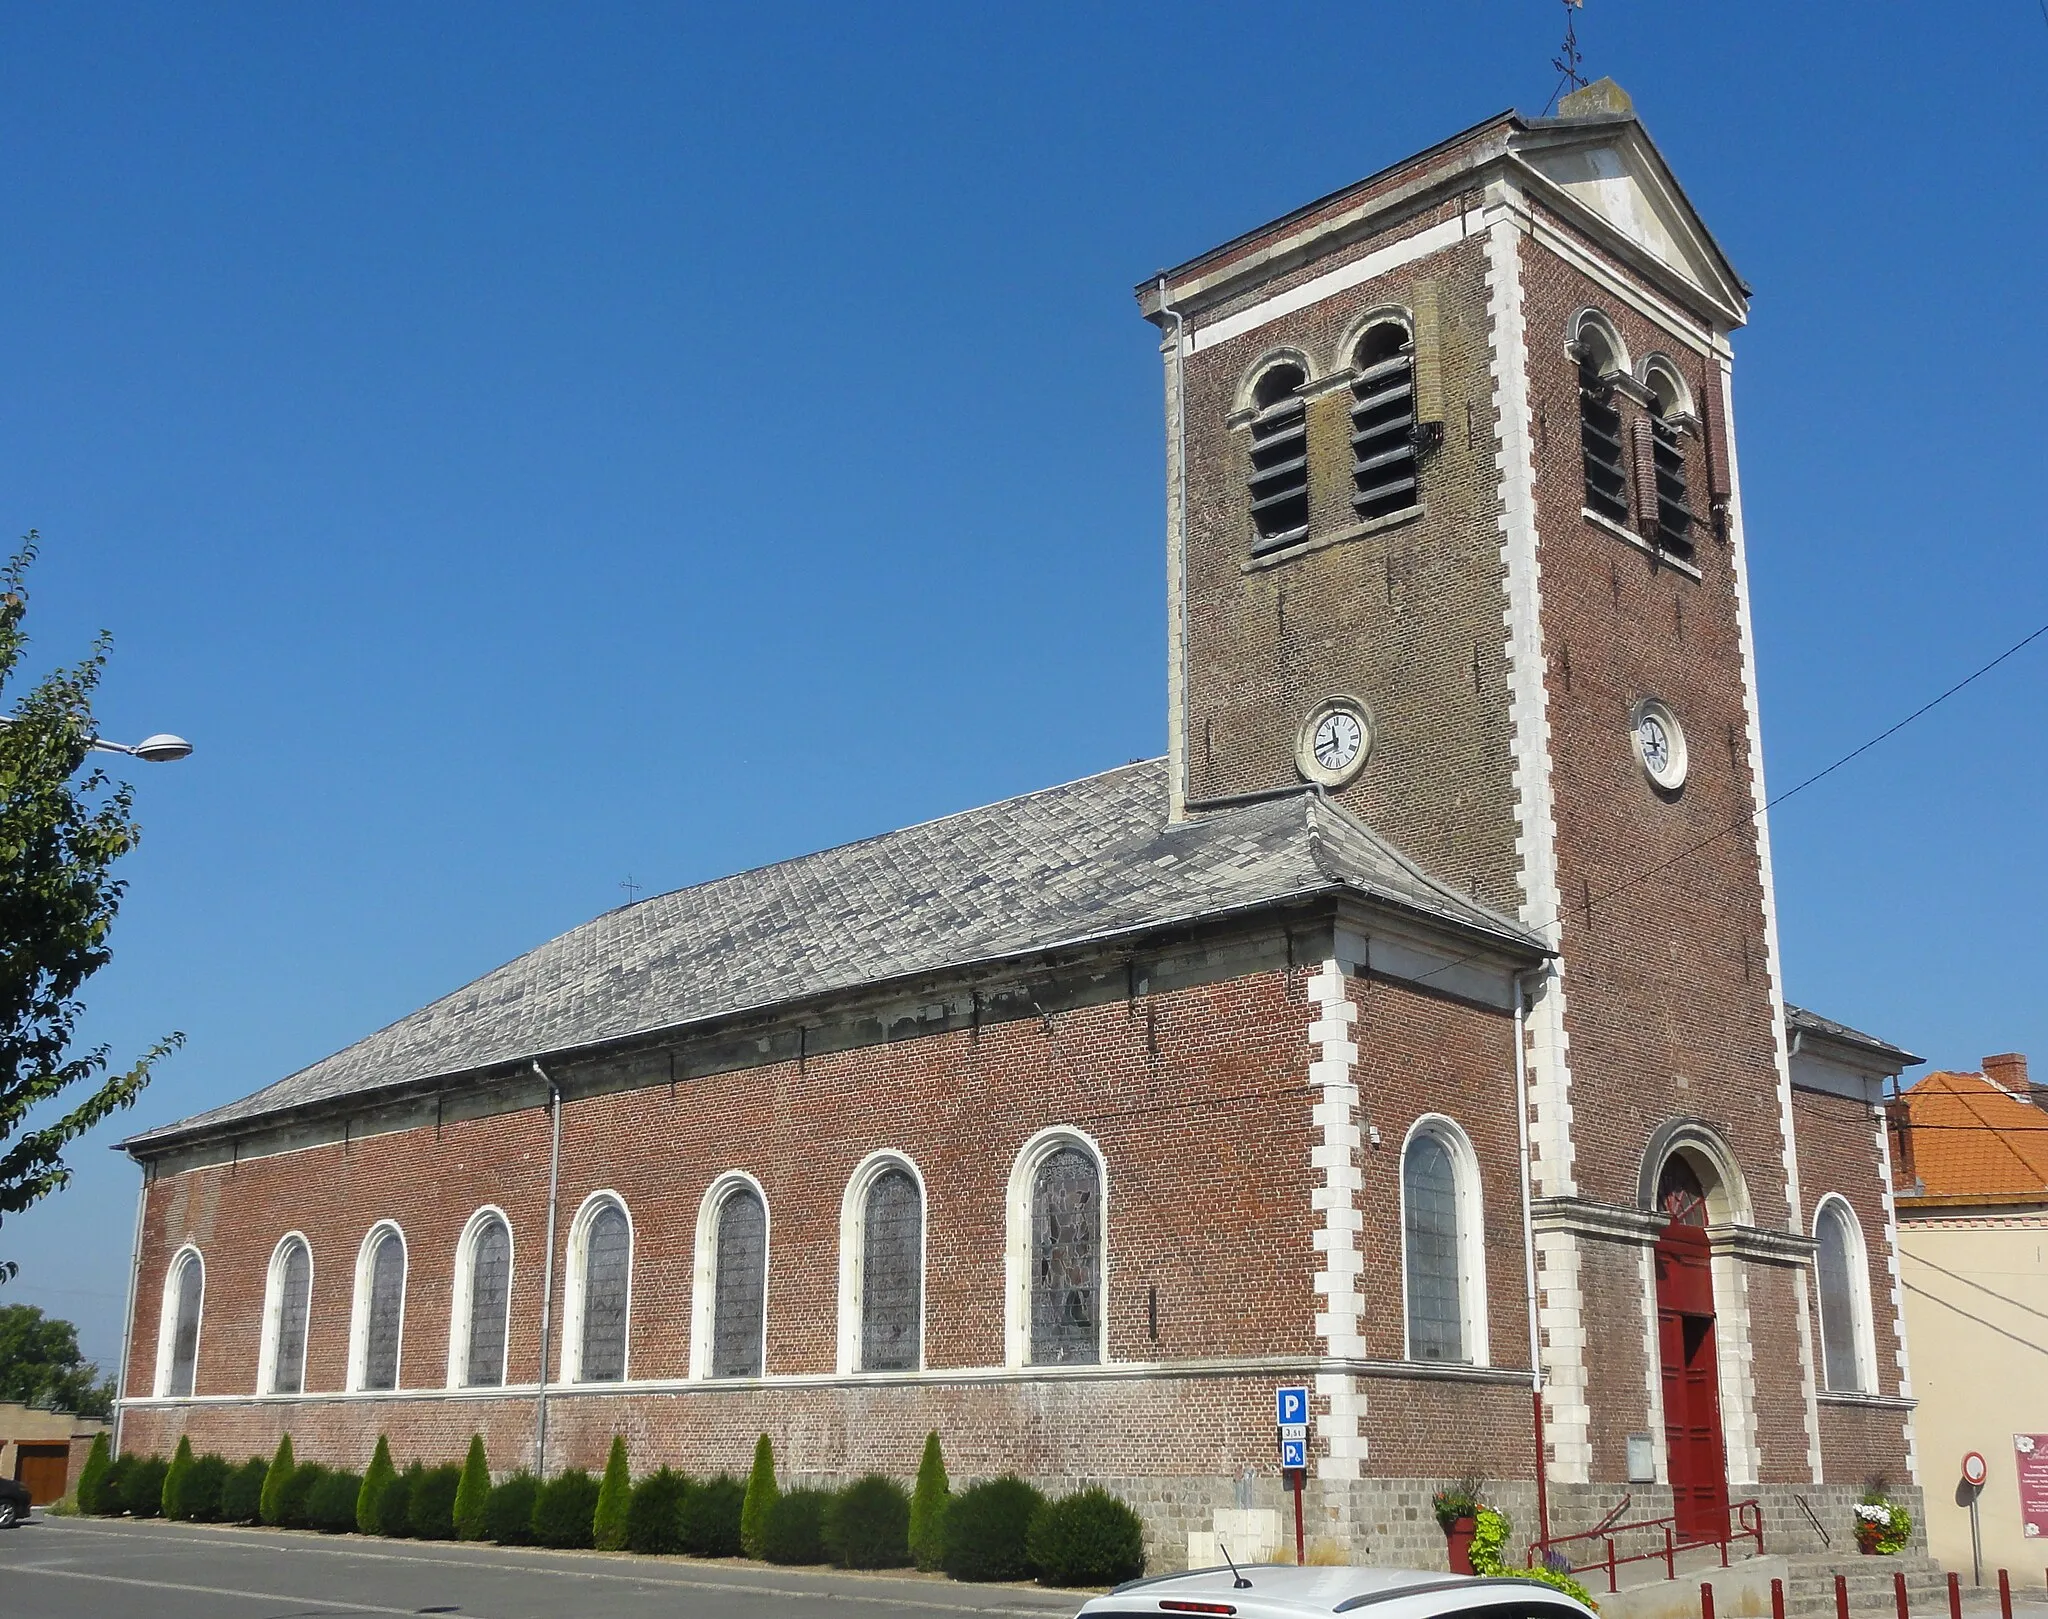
(2030, 1450)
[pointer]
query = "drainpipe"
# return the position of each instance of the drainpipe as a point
(1529, 1259)
(128, 1321)
(547, 1275)
(1177, 575)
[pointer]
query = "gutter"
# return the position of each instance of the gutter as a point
(547, 1284)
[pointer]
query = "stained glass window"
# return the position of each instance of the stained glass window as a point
(1066, 1261)
(1840, 1330)
(185, 1293)
(890, 1283)
(387, 1300)
(1436, 1302)
(607, 1256)
(740, 1287)
(294, 1300)
(490, 1285)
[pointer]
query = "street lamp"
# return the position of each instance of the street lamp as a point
(160, 749)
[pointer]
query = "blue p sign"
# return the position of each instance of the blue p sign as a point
(1290, 1407)
(1294, 1453)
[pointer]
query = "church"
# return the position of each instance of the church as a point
(1414, 1029)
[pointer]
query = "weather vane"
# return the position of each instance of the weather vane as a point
(1568, 61)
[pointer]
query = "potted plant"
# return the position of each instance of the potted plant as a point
(1457, 1514)
(1882, 1526)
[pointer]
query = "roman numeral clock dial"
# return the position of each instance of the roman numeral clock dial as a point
(1333, 742)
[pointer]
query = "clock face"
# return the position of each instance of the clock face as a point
(1338, 737)
(1659, 744)
(1656, 745)
(1334, 739)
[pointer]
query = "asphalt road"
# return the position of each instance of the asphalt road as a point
(65, 1568)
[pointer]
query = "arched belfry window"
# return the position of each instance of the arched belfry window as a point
(1844, 1299)
(1279, 450)
(1443, 1255)
(380, 1310)
(1670, 524)
(1383, 464)
(729, 1313)
(177, 1359)
(483, 1299)
(1600, 437)
(286, 1311)
(1066, 1260)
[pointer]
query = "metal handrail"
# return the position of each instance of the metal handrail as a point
(1745, 1521)
(1819, 1528)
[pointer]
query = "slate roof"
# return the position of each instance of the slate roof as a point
(1800, 1021)
(1090, 860)
(1973, 1139)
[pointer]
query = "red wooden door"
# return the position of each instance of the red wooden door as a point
(1692, 1390)
(43, 1468)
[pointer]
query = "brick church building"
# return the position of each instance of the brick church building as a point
(1434, 965)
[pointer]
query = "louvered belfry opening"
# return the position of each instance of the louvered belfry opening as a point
(1600, 437)
(1383, 467)
(1674, 516)
(1279, 476)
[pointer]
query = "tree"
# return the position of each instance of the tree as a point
(614, 1500)
(473, 1495)
(761, 1494)
(40, 1364)
(376, 1480)
(59, 838)
(270, 1506)
(928, 1508)
(174, 1480)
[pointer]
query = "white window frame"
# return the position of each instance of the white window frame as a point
(853, 1227)
(1471, 1237)
(1598, 321)
(1861, 1328)
(704, 1274)
(462, 1294)
(359, 1312)
(167, 1323)
(576, 1259)
(273, 1313)
(1017, 1241)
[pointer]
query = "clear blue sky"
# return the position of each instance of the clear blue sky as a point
(527, 446)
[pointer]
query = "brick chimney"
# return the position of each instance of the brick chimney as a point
(2009, 1070)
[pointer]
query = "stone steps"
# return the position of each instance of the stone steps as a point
(1810, 1588)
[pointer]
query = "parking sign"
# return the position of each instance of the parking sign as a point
(1290, 1406)
(1294, 1453)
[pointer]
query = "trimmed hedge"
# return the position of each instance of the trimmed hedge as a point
(394, 1506)
(760, 1496)
(241, 1497)
(174, 1480)
(928, 1503)
(274, 1480)
(92, 1477)
(1089, 1538)
(614, 1500)
(331, 1503)
(508, 1511)
(793, 1527)
(475, 1492)
(654, 1521)
(431, 1506)
(297, 1491)
(710, 1517)
(565, 1509)
(867, 1524)
(987, 1528)
(142, 1485)
(377, 1479)
(204, 1481)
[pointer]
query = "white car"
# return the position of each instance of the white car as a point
(1282, 1591)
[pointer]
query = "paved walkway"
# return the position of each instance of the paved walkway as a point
(61, 1568)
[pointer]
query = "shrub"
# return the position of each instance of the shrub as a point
(431, 1506)
(376, 1480)
(274, 1481)
(297, 1492)
(1088, 1538)
(394, 1506)
(987, 1527)
(709, 1522)
(92, 1477)
(203, 1485)
(331, 1503)
(475, 1492)
(241, 1497)
(793, 1530)
(1490, 1533)
(112, 1503)
(565, 1508)
(614, 1501)
(928, 1504)
(508, 1512)
(760, 1497)
(142, 1485)
(654, 1521)
(867, 1524)
(174, 1480)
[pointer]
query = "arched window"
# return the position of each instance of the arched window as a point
(607, 1264)
(1383, 466)
(380, 1310)
(1279, 473)
(1670, 525)
(1844, 1299)
(1600, 423)
(483, 1298)
(740, 1285)
(177, 1354)
(1066, 1260)
(286, 1309)
(891, 1273)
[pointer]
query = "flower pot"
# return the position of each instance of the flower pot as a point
(1458, 1537)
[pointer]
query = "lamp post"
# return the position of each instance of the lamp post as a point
(160, 749)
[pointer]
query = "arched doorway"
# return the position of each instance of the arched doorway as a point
(1685, 1342)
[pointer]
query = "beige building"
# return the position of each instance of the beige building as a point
(44, 1449)
(1972, 1172)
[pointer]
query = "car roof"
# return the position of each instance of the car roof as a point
(1282, 1591)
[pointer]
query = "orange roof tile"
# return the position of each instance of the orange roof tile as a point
(1970, 1138)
